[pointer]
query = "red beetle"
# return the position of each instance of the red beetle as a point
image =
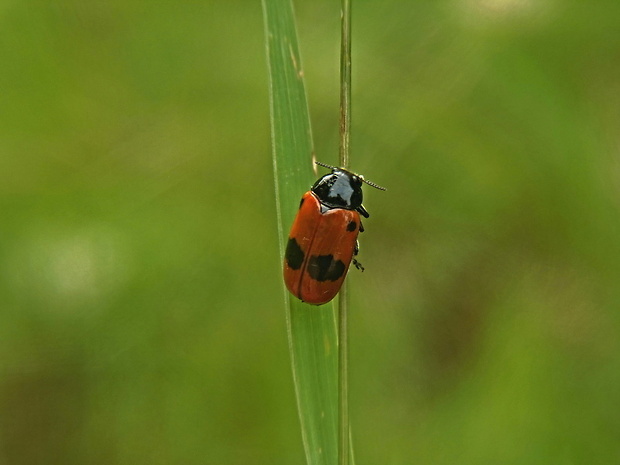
(323, 238)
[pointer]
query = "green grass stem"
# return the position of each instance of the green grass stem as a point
(312, 331)
(343, 304)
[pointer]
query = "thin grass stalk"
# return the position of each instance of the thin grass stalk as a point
(343, 341)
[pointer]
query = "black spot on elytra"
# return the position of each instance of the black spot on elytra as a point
(352, 226)
(294, 256)
(325, 268)
(302, 201)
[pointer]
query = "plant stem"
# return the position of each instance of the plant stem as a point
(343, 343)
(343, 382)
(345, 83)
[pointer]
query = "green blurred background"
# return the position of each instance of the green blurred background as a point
(142, 316)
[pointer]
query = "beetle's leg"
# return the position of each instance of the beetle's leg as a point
(362, 211)
(356, 250)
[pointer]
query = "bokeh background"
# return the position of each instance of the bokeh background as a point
(142, 315)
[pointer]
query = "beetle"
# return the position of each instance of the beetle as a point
(323, 239)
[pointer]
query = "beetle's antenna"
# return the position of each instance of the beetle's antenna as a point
(324, 165)
(376, 186)
(370, 183)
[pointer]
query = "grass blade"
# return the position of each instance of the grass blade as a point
(311, 330)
